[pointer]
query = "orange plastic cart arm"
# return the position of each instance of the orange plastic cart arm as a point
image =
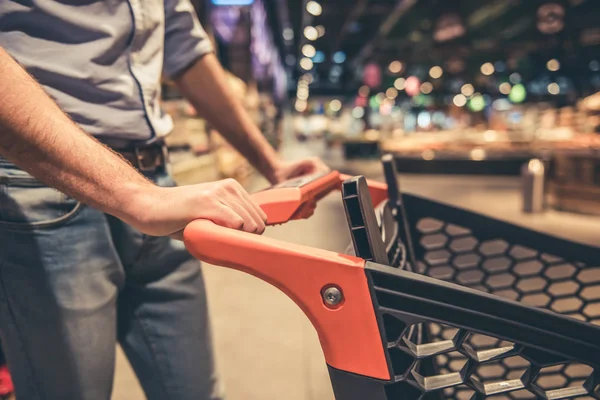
(348, 332)
(284, 203)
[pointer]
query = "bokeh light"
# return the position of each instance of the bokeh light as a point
(400, 83)
(505, 88)
(426, 88)
(459, 100)
(335, 105)
(518, 93)
(306, 63)
(487, 68)
(314, 8)
(358, 112)
(308, 50)
(310, 32)
(436, 72)
(467, 89)
(395, 67)
(553, 88)
(553, 65)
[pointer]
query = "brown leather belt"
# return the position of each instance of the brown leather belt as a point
(146, 159)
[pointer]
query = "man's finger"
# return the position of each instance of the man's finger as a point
(227, 217)
(243, 210)
(254, 209)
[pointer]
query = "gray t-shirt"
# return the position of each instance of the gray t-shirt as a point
(102, 60)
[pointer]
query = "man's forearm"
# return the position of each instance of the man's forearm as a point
(37, 136)
(205, 86)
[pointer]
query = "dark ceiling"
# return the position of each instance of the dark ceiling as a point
(382, 31)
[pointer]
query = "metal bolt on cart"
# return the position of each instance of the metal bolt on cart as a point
(433, 301)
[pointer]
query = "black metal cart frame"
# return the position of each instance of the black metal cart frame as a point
(467, 306)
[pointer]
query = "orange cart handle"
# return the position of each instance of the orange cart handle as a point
(297, 198)
(349, 333)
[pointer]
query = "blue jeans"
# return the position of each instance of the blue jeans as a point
(74, 281)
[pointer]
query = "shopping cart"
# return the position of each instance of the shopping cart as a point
(435, 302)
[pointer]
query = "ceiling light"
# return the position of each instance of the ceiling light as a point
(459, 100)
(436, 72)
(553, 88)
(400, 83)
(335, 105)
(467, 89)
(553, 65)
(314, 8)
(426, 88)
(306, 63)
(391, 93)
(309, 50)
(395, 67)
(310, 32)
(505, 88)
(487, 68)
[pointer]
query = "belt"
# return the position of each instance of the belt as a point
(148, 158)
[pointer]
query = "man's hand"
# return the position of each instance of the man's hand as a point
(295, 169)
(167, 211)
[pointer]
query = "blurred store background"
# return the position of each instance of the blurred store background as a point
(464, 94)
(452, 87)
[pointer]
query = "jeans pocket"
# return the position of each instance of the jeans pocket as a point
(26, 204)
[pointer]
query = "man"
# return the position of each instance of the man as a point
(83, 269)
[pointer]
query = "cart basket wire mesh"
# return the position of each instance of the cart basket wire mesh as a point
(471, 307)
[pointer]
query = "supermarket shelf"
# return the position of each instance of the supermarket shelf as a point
(509, 165)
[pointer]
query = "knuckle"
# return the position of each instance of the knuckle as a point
(260, 229)
(231, 183)
(253, 227)
(238, 223)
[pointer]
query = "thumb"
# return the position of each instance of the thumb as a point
(303, 167)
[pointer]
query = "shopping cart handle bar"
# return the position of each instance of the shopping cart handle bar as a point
(297, 198)
(348, 333)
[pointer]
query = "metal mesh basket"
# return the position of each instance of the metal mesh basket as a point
(435, 360)
(514, 263)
